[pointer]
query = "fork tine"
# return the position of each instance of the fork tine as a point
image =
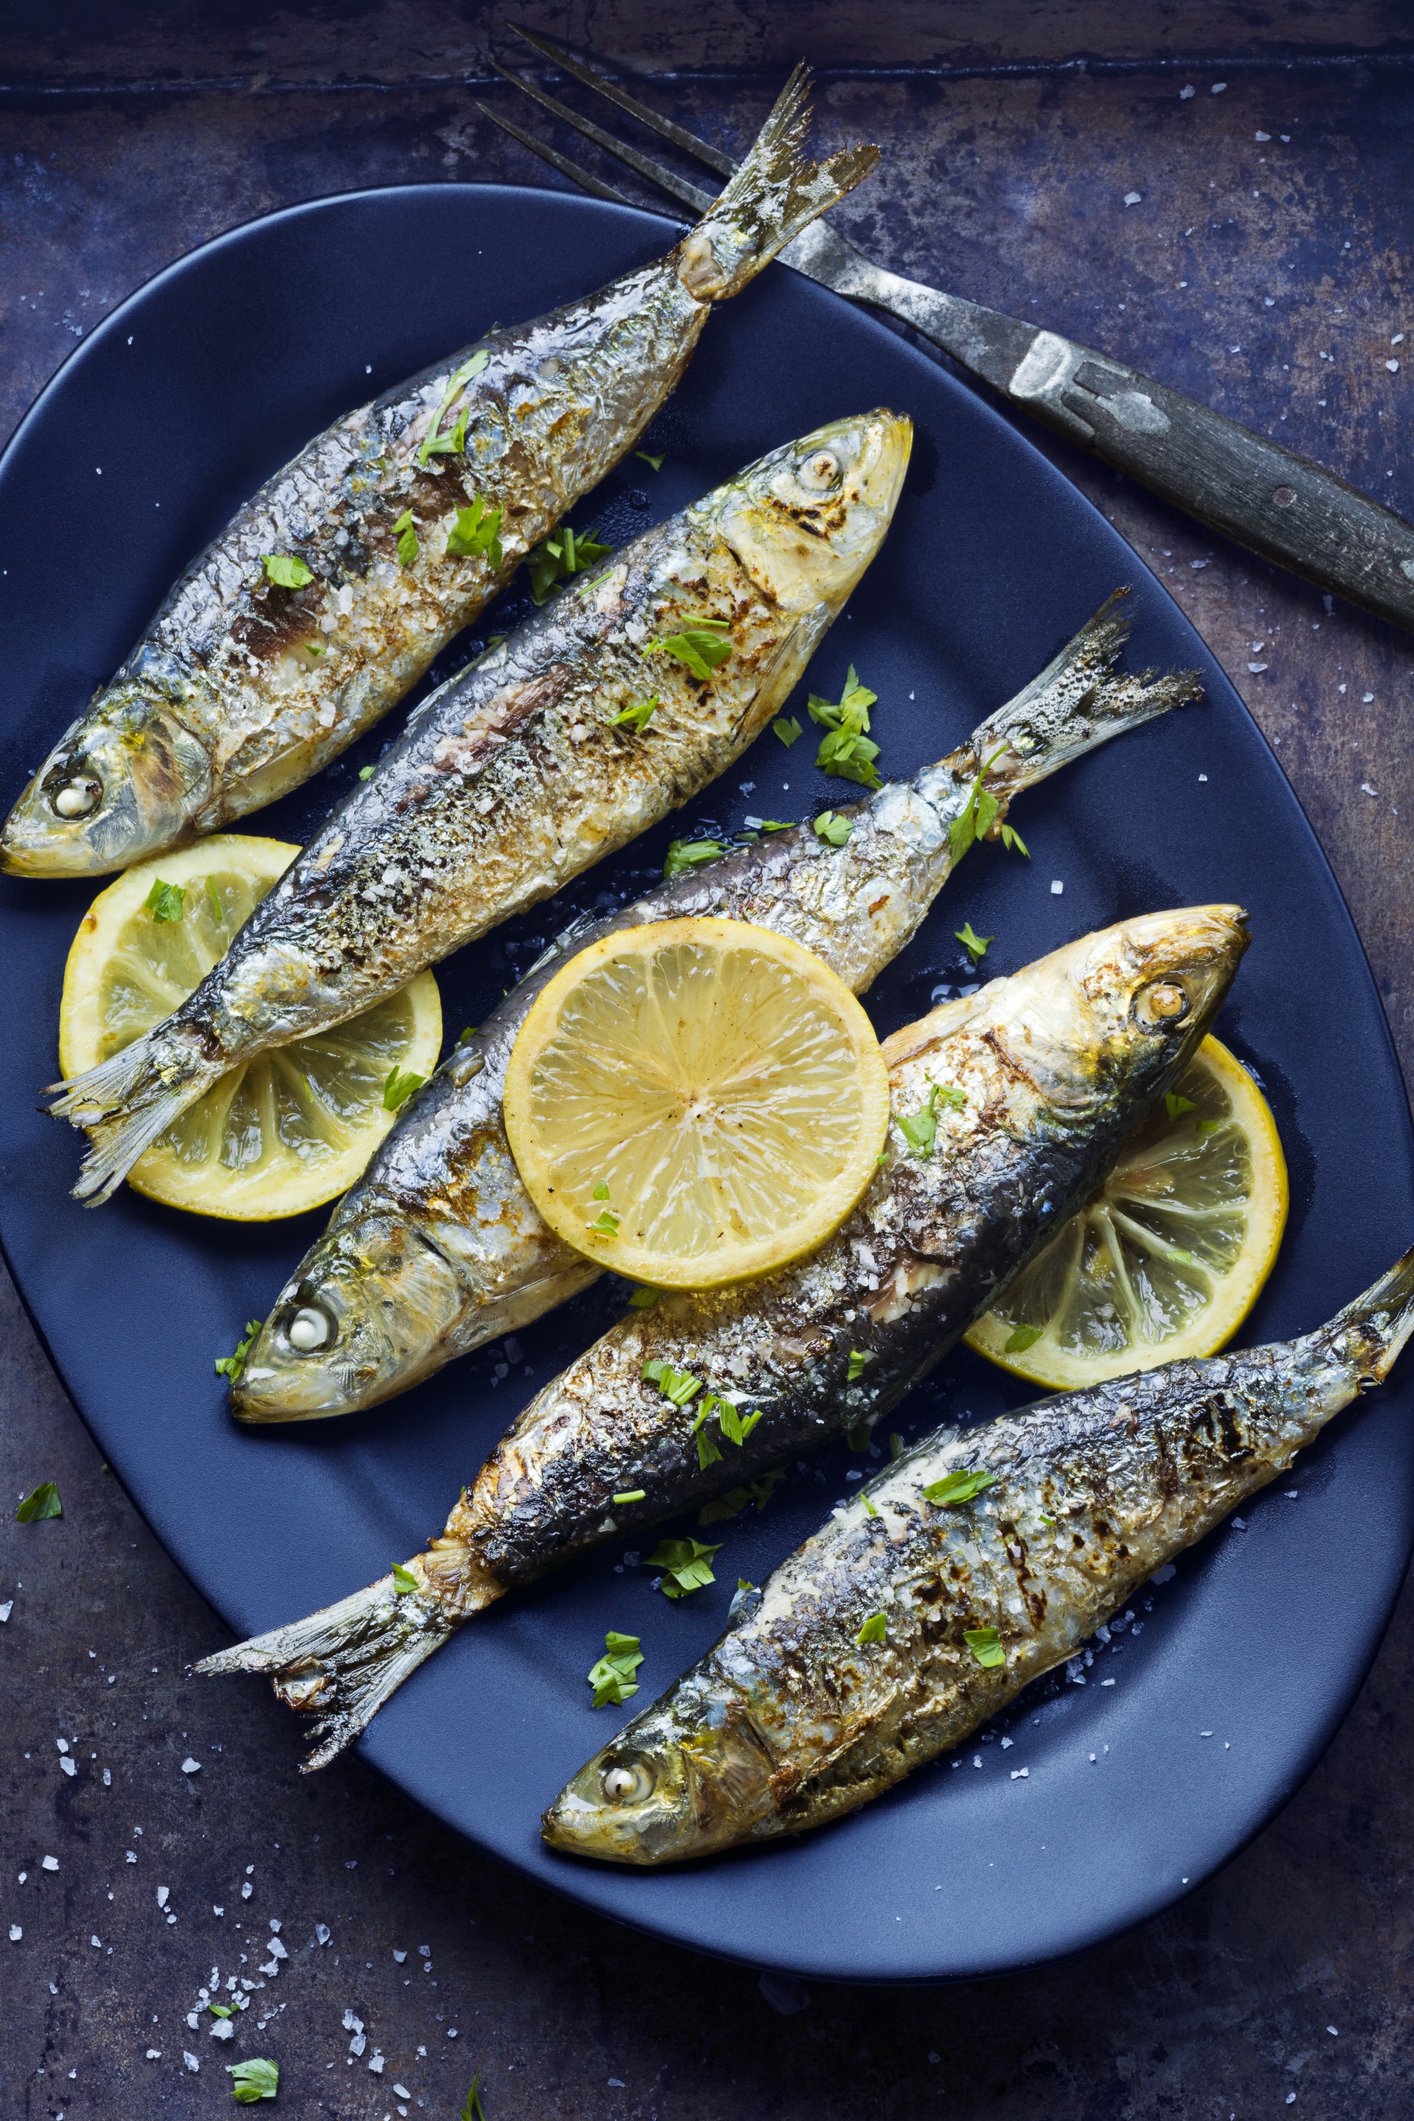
(690, 144)
(665, 179)
(595, 186)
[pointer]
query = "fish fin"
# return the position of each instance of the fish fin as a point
(775, 193)
(342, 1663)
(1078, 702)
(1371, 1332)
(127, 1101)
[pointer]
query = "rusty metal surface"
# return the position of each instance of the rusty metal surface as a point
(1262, 267)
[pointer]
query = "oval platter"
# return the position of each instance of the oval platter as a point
(144, 444)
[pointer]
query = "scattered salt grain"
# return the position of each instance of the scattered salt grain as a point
(375, 2063)
(164, 1894)
(1185, 93)
(49, 1863)
(67, 1765)
(190, 2060)
(1019, 1774)
(7, 1609)
(1057, 887)
(190, 1766)
(1132, 198)
(322, 1932)
(15, 1933)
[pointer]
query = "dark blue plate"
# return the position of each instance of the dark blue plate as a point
(158, 427)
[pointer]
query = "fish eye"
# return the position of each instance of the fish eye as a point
(627, 1782)
(821, 471)
(310, 1329)
(77, 796)
(1161, 1006)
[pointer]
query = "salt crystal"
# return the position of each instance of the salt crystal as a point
(1057, 887)
(7, 1609)
(223, 2028)
(1019, 1774)
(246, 1890)
(190, 1766)
(1007, 1742)
(154, 2054)
(131, 1855)
(400, 2091)
(1218, 87)
(15, 1933)
(49, 1863)
(399, 1957)
(190, 2060)
(375, 2063)
(63, 1744)
(322, 1932)
(1132, 198)
(68, 1766)
(1185, 93)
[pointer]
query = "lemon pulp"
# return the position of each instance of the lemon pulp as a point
(281, 1133)
(1169, 1257)
(696, 1102)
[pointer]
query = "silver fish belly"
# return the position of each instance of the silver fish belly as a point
(332, 590)
(439, 1248)
(967, 1569)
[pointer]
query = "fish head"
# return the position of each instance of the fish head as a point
(366, 1314)
(1113, 1014)
(686, 1779)
(806, 520)
(127, 780)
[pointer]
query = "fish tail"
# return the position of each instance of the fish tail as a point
(342, 1663)
(127, 1101)
(775, 193)
(1369, 1334)
(1079, 701)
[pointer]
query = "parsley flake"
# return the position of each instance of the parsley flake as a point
(231, 1365)
(690, 854)
(605, 1224)
(643, 1299)
(680, 1386)
(1021, 1338)
(405, 532)
(399, 1087)
(612, 1677)
(41, 1503)
(869, 1509)
(404, 1580)
(435, 443)
(974, 944)
(631, 1495)
(978, 815)
(787, 728)
(701, 646)
(985, 1645)
(858, 1357)
(556, 558)
(959, 1487)
(1175, 1105)
(686, 1565)
(220, 2010)
(476, 530)
(366, 773)
(165, 901)
(833, 829)
(473, 2110)
(875, 1629)
(286, 571)
(213, 900)
(920, 1129)
(256, 2079)
(846, 750)
(655, 463)
(755, 1493)
(1209, 1126)
(636, 717)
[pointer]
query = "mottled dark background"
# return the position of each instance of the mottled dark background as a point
(1264, 269)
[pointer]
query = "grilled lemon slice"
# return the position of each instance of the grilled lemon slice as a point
(696, 1102)
(282, 1133)
(1169, 1257)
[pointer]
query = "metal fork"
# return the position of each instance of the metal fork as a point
(1280, 505)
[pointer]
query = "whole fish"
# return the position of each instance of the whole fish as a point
(331, 592)
(951, 1580)
(439, 1248)
(615, 703)
(1009, 1107)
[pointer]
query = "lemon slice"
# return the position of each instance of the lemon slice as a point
(1169, 1257)
(286, 1131)
(696, 1102)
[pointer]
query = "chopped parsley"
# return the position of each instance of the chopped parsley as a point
(654, 463)
(256, 2079)
(1209, 1126)
(857, 1359)
(787, 728)
(366, 773)
(686, 1565)
(959, 1487)
(680, 1386)
(435, 443)
(920, 1129)
(43, 1502)
(605, 1224)
(404, 1580)
(690, 854)
(476, 530)
(869, 1509)
(231, 1365)
(974, 944)
(636, 717)
(285, 570)
(612, 1677)
(897, 1446)
(213, 900)
(875, 1629)
(985, 1645)
(701, 646)
(1021, 1338)
(556, 558)
(846, 749)
(631, 1495)
(755, 1493)
(399, 1087)
(1175, 1105)
(221, 2010)
(978, 815)
(832, 829)
(473, 2110)
(643, 1299)
(406, 534)
(165, 901)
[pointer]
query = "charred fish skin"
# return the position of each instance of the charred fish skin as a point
(243, 685)
(1035, 1083)
(519, 773)
(439, 1248)
(791, 1721)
